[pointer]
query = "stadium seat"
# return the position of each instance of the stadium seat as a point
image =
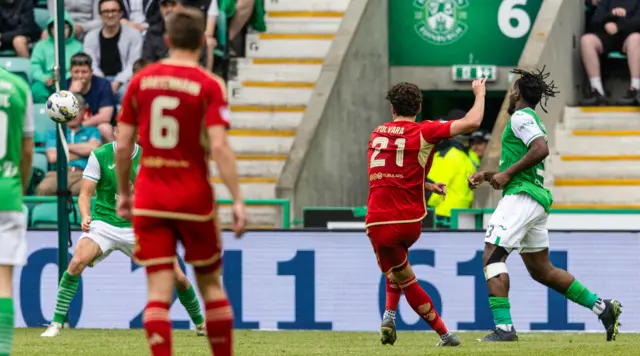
(40, 162)
(42, 123)
(17, 65)
(617, 55)
(8, 53)
(41, 16)
(45, 215)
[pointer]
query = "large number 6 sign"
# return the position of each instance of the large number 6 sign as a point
(164, 128)
(508, 12)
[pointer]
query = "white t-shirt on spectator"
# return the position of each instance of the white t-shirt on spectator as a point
(213, 9)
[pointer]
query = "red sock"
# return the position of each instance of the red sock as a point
(422, 304)
(393, 295)
(158, 328)
(219, 318)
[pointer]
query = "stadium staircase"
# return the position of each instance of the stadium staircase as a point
(269, 94)
(596, 160)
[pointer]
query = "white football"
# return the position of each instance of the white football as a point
(62, 106)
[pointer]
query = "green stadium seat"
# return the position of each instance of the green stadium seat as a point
(17, 65)
(45, 215)
(42, 4)
(617, 55)
(41, 16)
(42, 123)
(8, 53)
(25, 210)
(40, 162)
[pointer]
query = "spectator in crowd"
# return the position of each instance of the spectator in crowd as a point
(478, 143)
(135, 13)
(210, 30)
(452, 166)
(113, 48)
(84, 13)
(244, 9)
(615, 26)
(98, 95)
(43, 60)
(139, 64)
(82, 140)
(17, 26)
(591, 9)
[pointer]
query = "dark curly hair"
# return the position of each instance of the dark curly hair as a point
(405, 98)
(533, 87)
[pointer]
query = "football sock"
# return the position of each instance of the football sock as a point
(158, 328)
(635, 83)
(191, 304)
(596, 83)
(66, 291)
(422, 304)
(579, 294)
(392, 298)
(220, 327)
(501, 309)
(6, 326)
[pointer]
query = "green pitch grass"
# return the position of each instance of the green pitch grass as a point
(83, 342)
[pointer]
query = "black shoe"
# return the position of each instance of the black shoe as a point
(388, 334)
(609, 318)
(594, 98)
(499, 335)
(629, 99)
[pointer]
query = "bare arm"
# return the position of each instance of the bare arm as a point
(83, 149)
(471, 122)
(102, 116)
(124, 149)
(538, 151)
(225, 160)
(25, 161)
(87, 189)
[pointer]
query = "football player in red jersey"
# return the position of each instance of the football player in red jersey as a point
(400, 155)
(169, 106)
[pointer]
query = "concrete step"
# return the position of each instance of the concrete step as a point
(261, 142)
(607, 191)
(304, 21)
(256, 165)
(293, 45)
(594, 166)
(610, 143)
(602, 118)
(258, 216)
(266, 117)
(270, 93)
(279, 69)
(260, 188)
(306, 5)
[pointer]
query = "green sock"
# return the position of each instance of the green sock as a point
(6, 326)
(579, 294)
(66, 291)
(501, 309)
(190, 301)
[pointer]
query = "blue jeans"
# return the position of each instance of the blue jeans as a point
(120, 93)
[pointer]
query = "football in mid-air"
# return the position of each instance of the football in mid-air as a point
(62, 106)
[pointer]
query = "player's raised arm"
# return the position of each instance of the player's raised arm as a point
(471, 122)
(26, 155)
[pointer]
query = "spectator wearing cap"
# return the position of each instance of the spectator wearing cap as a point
(82, 140)
(17, 26)
(477, 146)
(113, 48)
(451, 166)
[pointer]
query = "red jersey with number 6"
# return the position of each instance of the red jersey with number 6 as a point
(400, 156)
(172, 104)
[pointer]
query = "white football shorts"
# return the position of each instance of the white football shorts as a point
(13, 238)
(110, 238)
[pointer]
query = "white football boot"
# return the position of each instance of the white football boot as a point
(53, 330)
(201, 329)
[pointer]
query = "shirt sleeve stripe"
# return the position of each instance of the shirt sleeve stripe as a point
(533, 138)
(84, 176)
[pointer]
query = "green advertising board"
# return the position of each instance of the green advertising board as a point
(455, 32)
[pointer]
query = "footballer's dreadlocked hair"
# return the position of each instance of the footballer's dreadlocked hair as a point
(405, 98)
(533, 87)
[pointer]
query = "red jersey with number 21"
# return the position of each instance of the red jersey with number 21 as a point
(172, 104)
(400, 156)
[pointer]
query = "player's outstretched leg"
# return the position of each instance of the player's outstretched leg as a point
(422, 304)
(6, 310)
(541, 270)
(86, 251)
(388, 328)
(189, 300)
(219, 315)
(495, 271)
(156, 322)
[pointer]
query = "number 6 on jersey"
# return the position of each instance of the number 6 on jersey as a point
(164, 129)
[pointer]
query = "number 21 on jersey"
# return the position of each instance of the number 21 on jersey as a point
(164, 128)
(380, 143)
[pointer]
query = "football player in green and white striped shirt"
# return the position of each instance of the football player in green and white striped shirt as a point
(104, 232)
(520, 220)
(16, 150)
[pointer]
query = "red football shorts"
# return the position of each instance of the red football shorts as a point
(391, 244)
(156, 241)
